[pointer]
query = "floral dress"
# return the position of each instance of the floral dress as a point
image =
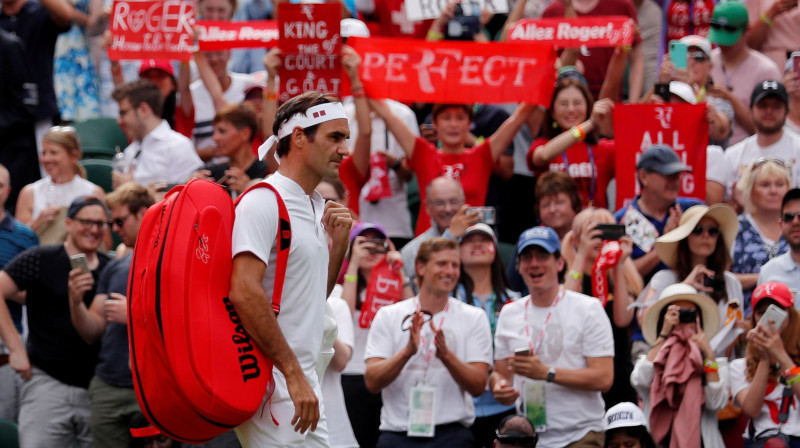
(751, 250)
(74, 76)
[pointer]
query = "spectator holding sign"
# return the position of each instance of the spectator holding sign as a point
(471, 166)
(572, 144)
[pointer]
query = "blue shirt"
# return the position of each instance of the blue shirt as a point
(15, 237)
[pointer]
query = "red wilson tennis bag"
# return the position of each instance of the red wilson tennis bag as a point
(196, 372)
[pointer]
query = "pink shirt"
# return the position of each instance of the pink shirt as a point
(783, 36)
(742, 79)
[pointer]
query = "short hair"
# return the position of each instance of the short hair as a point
(747, 180)
(552, 183)
(439, 108)
(298, 105)
(131, 194)
(240, 115)
(138, 92)
(431, 246)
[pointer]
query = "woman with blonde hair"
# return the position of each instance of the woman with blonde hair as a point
(760, 189)
(773, 355)
(697, 253)
(42, 205)
(582, 246)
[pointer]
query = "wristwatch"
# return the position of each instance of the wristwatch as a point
(551, 375)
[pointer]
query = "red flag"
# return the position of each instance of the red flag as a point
(385, 288)
(604, 31)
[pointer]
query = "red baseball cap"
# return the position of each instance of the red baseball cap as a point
(159, 64)
(775, 291)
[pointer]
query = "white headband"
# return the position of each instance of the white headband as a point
(313, 116)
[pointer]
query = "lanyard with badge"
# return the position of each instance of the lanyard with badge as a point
(533, 391)
(422, 397)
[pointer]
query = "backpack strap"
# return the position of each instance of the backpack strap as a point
(283, 240)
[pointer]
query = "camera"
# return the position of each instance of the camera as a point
(717, 284)
(381, 246)
(687, 316)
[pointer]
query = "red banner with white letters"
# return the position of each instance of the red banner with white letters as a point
(160, 29)
(683, 127)
(221, 35)
(601, 31)
(311, 47)
(410, 70)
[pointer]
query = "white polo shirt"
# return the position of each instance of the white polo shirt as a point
(163, 155)
(303, 300)
(468, 336)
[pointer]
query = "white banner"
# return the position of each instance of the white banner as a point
(430, 9)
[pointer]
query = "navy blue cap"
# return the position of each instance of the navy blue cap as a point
(541, 236)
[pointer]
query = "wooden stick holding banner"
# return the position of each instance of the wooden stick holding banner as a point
(160, 29)
(683, 127)
(456, 72)
(602, 31)
(311, 45)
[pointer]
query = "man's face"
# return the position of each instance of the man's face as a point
(129, 120)
(440, 274)
(556, 211)
(666, 186)
(87, 227)
(325, 153)
(539, 269)
(216, 10)
(791, 228)
(442, 203)
(5, 187)
(126, 224)
(769, 115)
(452, 125)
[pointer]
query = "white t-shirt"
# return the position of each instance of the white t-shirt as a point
(341, 433)
(743, 153)
(163, 155)
(772, 399)
(204, 110)
(578, 329)
(304, 290)
(357, 365)
(468, 336)
(47, 193)
(392, 212)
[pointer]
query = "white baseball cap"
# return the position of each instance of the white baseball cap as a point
(353, 28)
(623, 415)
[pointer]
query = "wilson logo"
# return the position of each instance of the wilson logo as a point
(248, 363)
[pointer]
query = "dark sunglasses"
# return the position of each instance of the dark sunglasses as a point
(712, 230)
(517, 440)
(789, 217)
(725, 27)
(118, 221)
(408, 321)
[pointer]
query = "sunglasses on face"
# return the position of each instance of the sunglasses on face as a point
(712, 230)
(516, 440)
(789, 217)
(118, 221)
(725, 27)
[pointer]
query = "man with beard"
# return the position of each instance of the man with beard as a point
(786, 268)
(769, 105)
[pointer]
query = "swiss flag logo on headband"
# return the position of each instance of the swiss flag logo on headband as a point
(318, 114)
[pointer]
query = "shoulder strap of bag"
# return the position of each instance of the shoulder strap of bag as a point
(283, 241)
(783, 412)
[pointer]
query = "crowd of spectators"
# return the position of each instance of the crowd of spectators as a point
(517, 297)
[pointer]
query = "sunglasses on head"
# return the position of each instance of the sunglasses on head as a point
(699, 56)
(725, 27)
(712, 230)
(517, 440)
(789, 217)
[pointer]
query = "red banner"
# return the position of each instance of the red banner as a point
(160, 29)
(603, 31)
(311, 47)
(385, 288)
(409, 70)
(220, 35)
(681, 126)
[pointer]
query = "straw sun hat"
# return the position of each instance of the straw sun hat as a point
(675, 293)
(667, 244)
